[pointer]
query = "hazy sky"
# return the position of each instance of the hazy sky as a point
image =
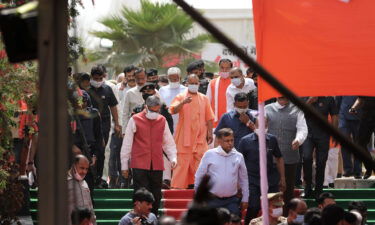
(92, 13)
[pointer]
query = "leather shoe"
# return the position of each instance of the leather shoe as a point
(367, 174)
(309, 193)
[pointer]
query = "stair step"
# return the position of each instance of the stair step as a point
(107, 222)
(100, 203)
(366, 193)
(101, 193)
(113, 203)
(370, 203)
(176, 203)
(113, 193)
(178, 194)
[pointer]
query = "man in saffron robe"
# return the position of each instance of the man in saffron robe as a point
(217, 90)
(193, 133)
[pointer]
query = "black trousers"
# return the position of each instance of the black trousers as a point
(321, 146)
(106, 127)
(151, 180)
(89, 178)
(290, 180)
(366, 128)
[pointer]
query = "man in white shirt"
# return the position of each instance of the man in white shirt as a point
(238, 84)
(147, 137)
(227, 170)
(127, 83)
(133, 97)
(168, 93)
(114, 164)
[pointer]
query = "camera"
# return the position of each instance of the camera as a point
(145, 222)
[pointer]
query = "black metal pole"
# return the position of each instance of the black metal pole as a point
(358, 151)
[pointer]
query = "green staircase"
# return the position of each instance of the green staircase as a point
(112, 204)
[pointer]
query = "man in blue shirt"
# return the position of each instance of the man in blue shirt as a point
(239, 120)
(249, 147)
(141, 213)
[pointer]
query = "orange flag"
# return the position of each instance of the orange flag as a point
(316, 47)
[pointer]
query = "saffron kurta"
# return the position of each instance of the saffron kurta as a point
(190, 136)
(216, 93)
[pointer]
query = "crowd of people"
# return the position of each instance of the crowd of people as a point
(170, 131)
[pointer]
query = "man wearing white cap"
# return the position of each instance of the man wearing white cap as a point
(168, 93)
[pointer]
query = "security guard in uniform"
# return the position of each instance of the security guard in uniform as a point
(275, 206)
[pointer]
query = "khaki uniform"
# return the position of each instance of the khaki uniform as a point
(259, 221)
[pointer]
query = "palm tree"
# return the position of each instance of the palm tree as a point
(150, 36)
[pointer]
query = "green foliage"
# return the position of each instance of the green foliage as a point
(17, 81)
(11, 190)
(149, 36)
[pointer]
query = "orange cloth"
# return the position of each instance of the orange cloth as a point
(316, 47)
(222, 98)
(190, 136)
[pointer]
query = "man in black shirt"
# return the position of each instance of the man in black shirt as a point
(319, 140)
(88, 136)
(104, 100)
(197, 68)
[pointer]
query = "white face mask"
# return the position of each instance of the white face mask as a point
(193, 88)
(256, 130)
(299, 219)
(152, 115)
(239, 110)
(77, 176)
(277, 212)
(96, 84)
(174, 84)
(224, 75)
(236, 81)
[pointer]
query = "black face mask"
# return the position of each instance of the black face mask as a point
(145, 96)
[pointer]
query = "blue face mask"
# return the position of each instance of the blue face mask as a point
(299, 219)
